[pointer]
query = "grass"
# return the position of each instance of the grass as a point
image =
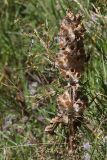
(28, 45)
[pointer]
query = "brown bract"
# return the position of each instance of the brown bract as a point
(64, 102)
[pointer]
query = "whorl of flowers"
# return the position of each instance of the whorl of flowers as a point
(71, 61)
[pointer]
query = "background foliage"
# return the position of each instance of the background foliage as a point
(29, 82)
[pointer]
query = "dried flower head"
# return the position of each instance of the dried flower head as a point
(71, 61)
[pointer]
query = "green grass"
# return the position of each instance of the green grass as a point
(28, 45)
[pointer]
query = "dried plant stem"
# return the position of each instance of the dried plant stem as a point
(71, 132)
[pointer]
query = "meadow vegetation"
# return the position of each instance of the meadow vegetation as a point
(30, 83)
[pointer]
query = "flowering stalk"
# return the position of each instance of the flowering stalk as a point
(71, 61)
